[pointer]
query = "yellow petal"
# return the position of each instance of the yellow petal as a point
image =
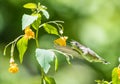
(118, 73)
(61, 41)
(13, 68)
(29, 33)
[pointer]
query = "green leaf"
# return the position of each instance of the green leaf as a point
(50, 29)
(49, 80)
(44, 57)
(45, 13)
(37, 22)
(22, 47)
(56, 63)
(28, 20)
(115, 79)
(30, 6)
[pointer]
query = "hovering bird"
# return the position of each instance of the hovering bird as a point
(87, 53)
(78, 50)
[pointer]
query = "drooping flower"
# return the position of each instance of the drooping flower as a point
(29, 33)
(61, 41)
(13, 66)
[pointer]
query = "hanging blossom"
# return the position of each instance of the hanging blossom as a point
(29, 33)
(118, 70)
(61, 41)
(13, 66)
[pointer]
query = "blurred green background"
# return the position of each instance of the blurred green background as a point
(94, 23)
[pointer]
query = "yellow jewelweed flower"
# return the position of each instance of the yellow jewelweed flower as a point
(29, 33)
(61, 41)
(13, 68)
(118, 73)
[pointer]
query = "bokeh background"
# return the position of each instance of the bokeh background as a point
(94, 23)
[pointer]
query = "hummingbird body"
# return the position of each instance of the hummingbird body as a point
(87, 53)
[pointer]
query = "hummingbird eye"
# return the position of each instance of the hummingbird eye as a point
(74, 43)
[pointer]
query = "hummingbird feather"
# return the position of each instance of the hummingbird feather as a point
(68, 50)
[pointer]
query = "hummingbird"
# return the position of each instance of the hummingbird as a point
(87, 53)
(76, 49)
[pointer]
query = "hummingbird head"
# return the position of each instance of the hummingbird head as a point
(75, 43)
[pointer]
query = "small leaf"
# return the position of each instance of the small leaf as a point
(56, 63)
(30, 6)
(115, 77)
(50, 29)
(22, 47)
(45, 13)
(27, 20)
(49, 80)
(44, 57)
(37, 22)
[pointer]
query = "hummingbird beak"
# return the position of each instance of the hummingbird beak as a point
(105, 62)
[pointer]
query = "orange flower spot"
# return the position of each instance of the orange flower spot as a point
(13, 68)
(61, 41)
(29, 33)
(118, 73)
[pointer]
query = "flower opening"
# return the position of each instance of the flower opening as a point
(13, 68)
(61, 41)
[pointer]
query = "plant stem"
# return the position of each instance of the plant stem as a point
(41, 69)
(110, 82)
(36, 39)
(14, 41)
(55, 21)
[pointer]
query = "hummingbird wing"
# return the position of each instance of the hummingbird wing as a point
(69, 51)
(87, 53)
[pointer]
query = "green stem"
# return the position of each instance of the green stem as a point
(55, 21)
(36, 39)
(13, 42)
(12, 50)
(110, 82)
(42, 75)
(41, 69)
